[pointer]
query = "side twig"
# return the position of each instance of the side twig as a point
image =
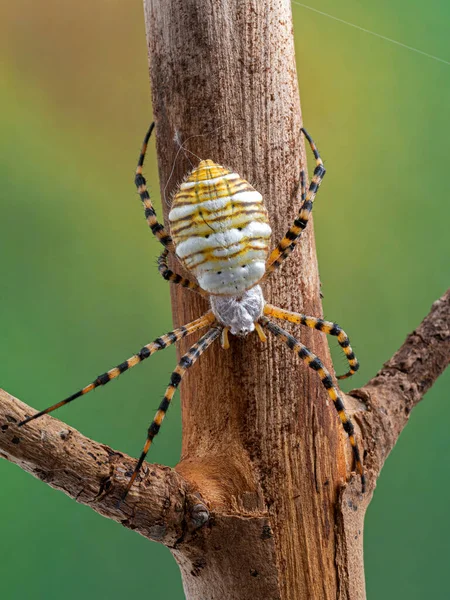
(163, 509)
(402, 382)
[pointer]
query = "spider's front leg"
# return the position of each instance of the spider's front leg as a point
(289, 241)
(157, 229)
(327, 327)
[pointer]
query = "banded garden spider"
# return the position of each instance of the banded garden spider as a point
(219, 230)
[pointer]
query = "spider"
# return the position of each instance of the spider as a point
(219, 231)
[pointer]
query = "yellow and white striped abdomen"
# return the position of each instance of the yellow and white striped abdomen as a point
(221, 230)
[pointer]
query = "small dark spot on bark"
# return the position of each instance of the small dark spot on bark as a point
(197, 566)
(128, 523)
(40, 474)
(111, 452)
(92, 455)
(5, 427)
(212, 520)
(15, 440)
(11, 419)
(105, 486)
(266, 532)
(254, 573)
(64, 434)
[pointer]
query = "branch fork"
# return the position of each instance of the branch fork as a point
(167, 506)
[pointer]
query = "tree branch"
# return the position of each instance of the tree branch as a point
(381, 408)
(260, 443)
(163, 509)
(390, 396)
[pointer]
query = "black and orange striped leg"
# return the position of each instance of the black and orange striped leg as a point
(315, 363)
(159, 344)
(290, 248)
(185, 363)
(327, 327)
(288, 243)
(158, 230)
(169, 275)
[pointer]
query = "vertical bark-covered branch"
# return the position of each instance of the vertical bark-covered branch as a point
(259, 439)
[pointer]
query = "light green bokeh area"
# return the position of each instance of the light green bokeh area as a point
(80, 290)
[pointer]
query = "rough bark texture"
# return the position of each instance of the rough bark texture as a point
(259, 440)
(91, 473)
(265, 466)
(391, 395)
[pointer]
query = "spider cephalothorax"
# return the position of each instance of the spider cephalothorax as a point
(220, 232)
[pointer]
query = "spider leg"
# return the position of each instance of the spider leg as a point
(260, 332)
(321, 325)
(158, 230)
(186, 361)
(169, 275)
(288, 243)
(224, 340)
(290, 248)
(159, 344)
(303, 184)
(315, 363)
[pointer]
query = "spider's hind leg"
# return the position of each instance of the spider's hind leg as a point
(315, 363)
(327, 327)
(185, 363)
(159, 344)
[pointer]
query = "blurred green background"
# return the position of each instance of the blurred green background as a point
(80, 290)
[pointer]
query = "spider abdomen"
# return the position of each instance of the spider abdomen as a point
(220, 228)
